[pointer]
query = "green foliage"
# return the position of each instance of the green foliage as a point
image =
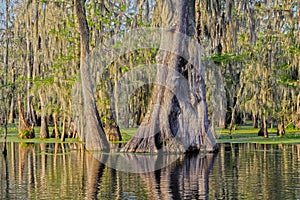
(124, 69)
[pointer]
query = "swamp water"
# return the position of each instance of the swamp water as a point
(66, 171)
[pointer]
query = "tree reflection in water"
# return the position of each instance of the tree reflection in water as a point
(187, 178)
(67, 171)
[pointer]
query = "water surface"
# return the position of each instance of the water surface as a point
(66, 171)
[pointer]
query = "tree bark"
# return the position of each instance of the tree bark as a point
(255, 120)
(298, 108)
(106, 94)
(30, 118)
(24, 130)
(177, 120)
(56, 131)
(12, 104)
(11, 111)
(112, 129)
(44, 131)
(94, 136)
(64, 129)
(4, 151)
(280, 128)
(263, 131)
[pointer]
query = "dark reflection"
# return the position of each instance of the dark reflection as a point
(5, 174)
(94, 175)
(187, 178)
(67, 171)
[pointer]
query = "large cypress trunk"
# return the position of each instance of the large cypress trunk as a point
(94, 136)
(177, 120)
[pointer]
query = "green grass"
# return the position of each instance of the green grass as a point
(247, 134)
(244, 134)
(12, 136)
(289, 138)
(127, 134)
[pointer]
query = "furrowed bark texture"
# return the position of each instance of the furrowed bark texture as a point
(177, 120)
(94, 136)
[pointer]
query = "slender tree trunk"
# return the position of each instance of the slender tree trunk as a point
(255, 120)
(64, 129)
(12, 103)
(298, 108)
(44, 131)
(29, 71)
(234, 109)
(263, 131)
(11, 119)
(177, 120)
(280, 127)
(265, 123)
(24, 130)
(265, 90)
(56, 130)
(95, 138)
(4, 151)
(111, 128)
(112, 131)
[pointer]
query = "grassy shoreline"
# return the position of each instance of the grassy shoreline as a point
(244, 134)
(248, 134)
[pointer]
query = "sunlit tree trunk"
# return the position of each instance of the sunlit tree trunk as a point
(263, 131)
(29, 111)
(255, 120)
(170, 115)
(24, 129)
(64, 128)
(44, 131)
(280, 127)
(112, 129)
(56, 130)
(4, 151)
(298, 111)
(12, 103)
(234, 110)
(94, 136)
